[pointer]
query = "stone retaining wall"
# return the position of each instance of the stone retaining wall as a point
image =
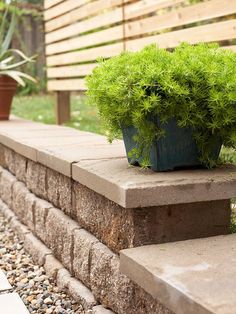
(76, 195)
(118, 227)
(79, 251)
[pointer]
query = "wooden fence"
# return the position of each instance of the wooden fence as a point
(78, 32)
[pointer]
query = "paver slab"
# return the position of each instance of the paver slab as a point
(133, 187)
(194, 276)
(11, 303)
(4, 284)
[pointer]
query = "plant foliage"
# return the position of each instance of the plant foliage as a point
(8, 65)
(196, 85)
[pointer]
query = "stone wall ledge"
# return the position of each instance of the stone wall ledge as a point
(90, 160)
(195, 276)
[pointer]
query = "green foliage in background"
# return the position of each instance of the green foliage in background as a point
(194, 84)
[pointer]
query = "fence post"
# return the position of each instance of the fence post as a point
(62, 107)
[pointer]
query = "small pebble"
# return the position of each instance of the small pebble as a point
(38, 292)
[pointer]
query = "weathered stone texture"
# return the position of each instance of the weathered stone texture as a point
(59, 236)
(20, 167)
(9, 156)
(36, 248)
(52, 266)
(121, 228)
(83, 242)
(36, 179)
(40, 217)
(2, 156)
(7, 181)
(99, 309)
(110, 287)
(106, 220)
(59, 190)
(81, 294)
(63, 277)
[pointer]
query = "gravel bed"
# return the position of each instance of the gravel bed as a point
(37, 291)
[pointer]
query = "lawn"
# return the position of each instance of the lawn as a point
(41, 108)
(84, 117)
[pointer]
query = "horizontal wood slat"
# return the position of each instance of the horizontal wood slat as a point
(70, 71)
(66, 85)
(206, 33)
(50, 3)
(84, 11)
(62, 8)
(145, 7)
(104, 19)
(233, 48)
(187, 15)
(67, 44)
(108, 35)
(85, 55)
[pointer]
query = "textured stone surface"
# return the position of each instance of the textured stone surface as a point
(10, 159)
(110, 287)
(106, 220)
(19, 228)
(63, 277)
(36, 179)
(122, 228)
(7, 181)
(99, 309)
(20, 167)
(59, 190)
(19, 194)
(36, 248)
(59, 236)
(52, 266)
(195, 276)
(132, 187)
(83, 242)
(2, 156)
(81, 294)
(40, 216)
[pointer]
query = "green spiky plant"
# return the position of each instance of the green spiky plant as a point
(196, 85)
(8, 63)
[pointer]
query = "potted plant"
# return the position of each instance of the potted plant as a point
(9, 75)
(174, 109)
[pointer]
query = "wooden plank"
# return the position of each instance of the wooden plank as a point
(233, 47)
(183, 16)
(145, 7)
(62, 8)
(206, 33)
(50, 3)
(85, 11)
(108, 35)
(62, 107)
(71, 71)
(85, 55)
(104, 19)
(66, 85)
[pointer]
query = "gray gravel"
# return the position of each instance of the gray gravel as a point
(37, 291)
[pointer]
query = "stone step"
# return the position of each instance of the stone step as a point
(189, 277)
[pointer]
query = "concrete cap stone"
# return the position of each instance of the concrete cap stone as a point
(194, 276)
(133, 187)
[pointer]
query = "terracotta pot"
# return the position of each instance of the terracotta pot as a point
(7, 91)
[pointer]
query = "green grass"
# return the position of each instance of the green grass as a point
(41, 108)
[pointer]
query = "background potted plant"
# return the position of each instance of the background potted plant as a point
(174, 109)
(9, 75)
